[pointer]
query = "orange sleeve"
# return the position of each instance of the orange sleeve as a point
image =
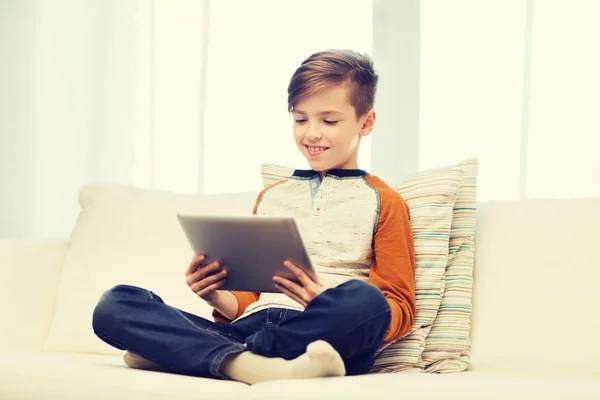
(244, 299)
(393, 268)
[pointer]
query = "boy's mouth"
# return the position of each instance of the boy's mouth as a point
(315, 150)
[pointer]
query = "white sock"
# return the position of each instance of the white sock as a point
(138, 362)
(320, 360)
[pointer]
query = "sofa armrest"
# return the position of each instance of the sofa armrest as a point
(29, 276)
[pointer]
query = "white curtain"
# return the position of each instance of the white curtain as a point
(211, 80)
(515, 83)
(107, 90)
(73, 72)
(170, 81)
(190, 96)
(254, 48)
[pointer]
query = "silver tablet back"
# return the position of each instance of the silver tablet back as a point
(252, 248)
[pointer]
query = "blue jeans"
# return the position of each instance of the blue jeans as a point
(352, 317)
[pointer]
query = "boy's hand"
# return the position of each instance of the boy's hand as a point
(205, 280)
(302, 294)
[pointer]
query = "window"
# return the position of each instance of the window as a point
(254, 48)
(471, 89)
(564, 124)
(514, 83)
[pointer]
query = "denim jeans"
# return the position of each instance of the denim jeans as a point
(352, 317)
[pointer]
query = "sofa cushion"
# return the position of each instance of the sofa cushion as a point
(535, 297)
(129, 236)
(63, 376)
(29, 275)
(430, 195)
(422, 386)
(448, 344)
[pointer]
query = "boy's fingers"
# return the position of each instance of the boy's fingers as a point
(207, 270)
(211, 288)
(293, 287)
(203, 273)
(290, 294)
(194, 264)
(206, 282)
(299, 273)
(190, 269)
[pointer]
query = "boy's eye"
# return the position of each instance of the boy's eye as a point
(300, 121)
(331, 122)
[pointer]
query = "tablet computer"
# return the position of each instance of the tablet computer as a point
(252, 248)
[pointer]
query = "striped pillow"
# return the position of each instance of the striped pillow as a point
(430, 196)
(272, 173)
(448, 345)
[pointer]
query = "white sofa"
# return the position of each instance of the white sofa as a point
(535, 333)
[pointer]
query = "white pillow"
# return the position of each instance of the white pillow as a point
(129, 236)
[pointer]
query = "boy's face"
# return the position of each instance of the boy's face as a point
(328, 131)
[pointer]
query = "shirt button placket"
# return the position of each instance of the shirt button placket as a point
(317, 207)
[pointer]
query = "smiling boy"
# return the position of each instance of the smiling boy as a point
(355, 228)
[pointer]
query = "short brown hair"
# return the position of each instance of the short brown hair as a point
(334, 67)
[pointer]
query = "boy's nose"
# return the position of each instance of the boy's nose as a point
(313, 133)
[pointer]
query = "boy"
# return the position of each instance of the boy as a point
(356, 230)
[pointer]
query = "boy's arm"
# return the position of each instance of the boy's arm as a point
(230, 305)
(393, 269)
(225, 312)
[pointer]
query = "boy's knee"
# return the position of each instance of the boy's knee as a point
(112, 305)
(363, 296)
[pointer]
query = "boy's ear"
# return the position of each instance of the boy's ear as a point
(368, 123)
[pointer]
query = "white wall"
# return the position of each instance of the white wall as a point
(396, 55)
(66, 104)
(17, 160)
(83, 103)
(87, 95)
(69, 99)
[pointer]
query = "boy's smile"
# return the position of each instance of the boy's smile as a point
(327, 129)
(315, 151)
